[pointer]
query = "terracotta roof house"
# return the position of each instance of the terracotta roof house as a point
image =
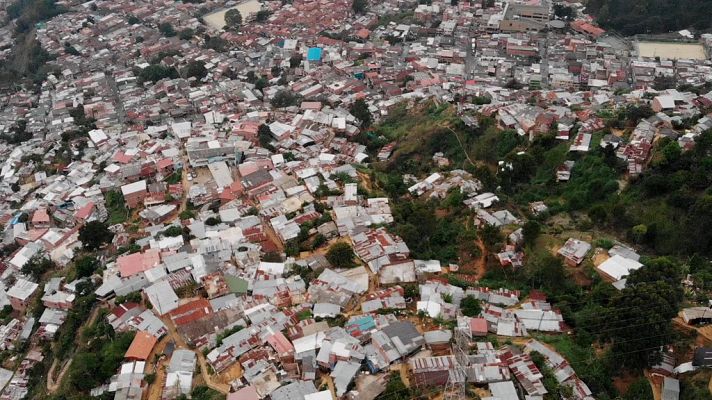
(141, 347)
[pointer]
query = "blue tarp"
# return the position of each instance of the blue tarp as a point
(314, 54)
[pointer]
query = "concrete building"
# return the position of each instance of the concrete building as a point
(21, 293)
(134, 193)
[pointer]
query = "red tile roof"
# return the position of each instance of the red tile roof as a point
(133, 264)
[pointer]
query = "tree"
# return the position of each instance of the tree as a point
(150, 378)
(470, 306)
(640, 389)
(264, 135)
(186, 214)
(172, 231)
(94, 234)
(513, 84)
(86, 266)
(212, 221)
(216, 43)
(37, 265)
(598, 213)
(233, 19)
(545, 271)
(360, 110)
(262, 15)
(195, 69)
(530, 231)
(341, 255)
(490, 234)
(359, 6)
(166, 29)
(205, 393)
(295, 61)
(186, 34)
(284, 98)
(564, 12)
(319, 240)
(261, 83)
(671, 152)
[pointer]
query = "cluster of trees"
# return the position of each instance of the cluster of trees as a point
(285, 98)
(305, 241)
(635, 321)
(651, 16)
(66, 339)
(216, 43)
(94, 234)
(396, 389)
(28, 12)
(37, 266)
(470, 306)
(264, 135)
(262, 15)
(27, 61)
(18, 133)
(155, 72)
(448, 239)
(100, 358)
(202, 393)
(670, 203)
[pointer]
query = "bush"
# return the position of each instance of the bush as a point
(470, 306)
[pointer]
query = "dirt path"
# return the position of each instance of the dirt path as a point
(53, 384)
(330, 384)
(404, 374)
(155, 390)
(476, 268)
(457, 136)
(703, 332)
(180, 344)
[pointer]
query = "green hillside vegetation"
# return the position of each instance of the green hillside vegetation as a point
(27, 60)
(659, 211)
(651, 16)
